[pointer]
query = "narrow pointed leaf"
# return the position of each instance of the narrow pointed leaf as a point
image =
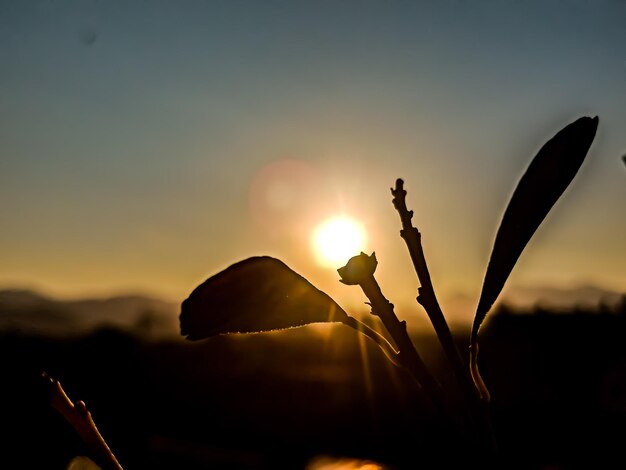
(546, 178)
(254, 295)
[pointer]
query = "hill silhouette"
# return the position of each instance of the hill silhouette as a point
(32, 312)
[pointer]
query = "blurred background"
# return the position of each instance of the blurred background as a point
(145, 146)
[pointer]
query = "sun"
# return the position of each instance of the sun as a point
(338, 239)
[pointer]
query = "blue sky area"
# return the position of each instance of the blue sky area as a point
(143, 144)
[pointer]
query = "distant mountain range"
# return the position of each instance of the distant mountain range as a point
(460, 308)
(32, 312)
(556, 297)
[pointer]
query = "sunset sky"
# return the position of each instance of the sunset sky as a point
(145, 145)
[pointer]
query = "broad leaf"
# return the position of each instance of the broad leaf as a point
(254, 295)
(546, 178)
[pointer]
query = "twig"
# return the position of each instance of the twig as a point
(426, 294)
(360, 271)
(80, 419)
(426, 298)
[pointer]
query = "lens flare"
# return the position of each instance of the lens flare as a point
(338, 239)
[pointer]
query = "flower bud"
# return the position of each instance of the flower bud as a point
(358, 269)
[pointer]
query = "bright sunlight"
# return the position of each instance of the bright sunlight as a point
(338, 239)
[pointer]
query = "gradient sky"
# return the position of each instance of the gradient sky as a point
(146, 145)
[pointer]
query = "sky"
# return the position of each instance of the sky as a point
(145, 145)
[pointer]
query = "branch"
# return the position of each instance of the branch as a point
(426, 298)
(360, 271)
(426, 294)
(80, 419)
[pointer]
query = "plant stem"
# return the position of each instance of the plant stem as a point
(408, 355)
(426, 293)
(80, 419)
(379, 339)
(427, 298)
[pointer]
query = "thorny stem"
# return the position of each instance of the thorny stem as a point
(80, 419)
(427, 298)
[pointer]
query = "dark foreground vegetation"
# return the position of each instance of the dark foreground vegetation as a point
(278, 400)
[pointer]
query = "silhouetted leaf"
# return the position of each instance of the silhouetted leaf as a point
(546, 178)
(254, 295)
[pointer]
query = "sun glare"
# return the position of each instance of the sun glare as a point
(338, 239)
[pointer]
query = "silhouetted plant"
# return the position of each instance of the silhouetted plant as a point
(79, 417)
(262, 293)
(546, 178)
